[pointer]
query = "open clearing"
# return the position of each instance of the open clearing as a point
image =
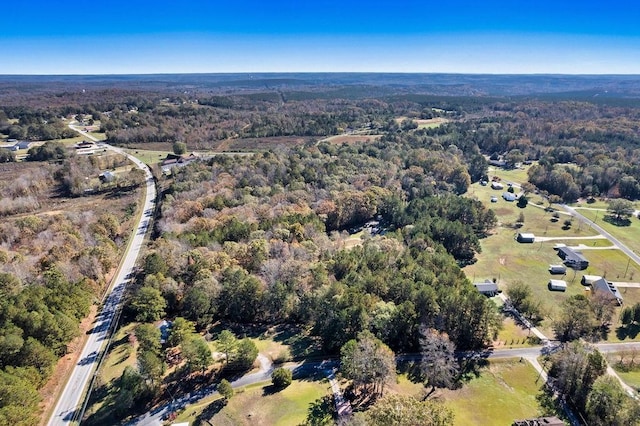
(148, 157)
(262, 406)
(512, 336)
(629, 235)
(507, 261)
(425, 123)
(351, 138)
(505, 391)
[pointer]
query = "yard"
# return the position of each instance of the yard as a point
(507, 261)
(628, 235)
(512, 335)
(261, 405)
(146, 156)
(505, 391)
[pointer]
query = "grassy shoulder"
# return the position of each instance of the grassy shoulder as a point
(122, 353)
(628, 235)
(627, 365)
(147, 156)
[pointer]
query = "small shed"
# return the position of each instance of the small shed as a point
(509, 196)
(107, 176)
(557, 269)
(557, 285)
(487, 287)
(525, 238)
(497, 185)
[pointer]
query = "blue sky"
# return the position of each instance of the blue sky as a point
(161, 36)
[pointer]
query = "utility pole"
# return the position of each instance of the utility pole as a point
(625, 271)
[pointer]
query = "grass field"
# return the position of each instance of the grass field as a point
(121, 355)
(340, 139)
(511, 336)
(507, 261)
(632, 378)
(518, 175)
(148, 157)
(599, 204)
(425, 123)
(70, 141)
(262, 406)
(99, 136)
(505, 391)
(629, 235)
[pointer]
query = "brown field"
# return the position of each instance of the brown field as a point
(50, 202)
(250, 144)
(153, 146)
(340, 139)
(425, 123)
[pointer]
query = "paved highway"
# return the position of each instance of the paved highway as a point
(68, 406)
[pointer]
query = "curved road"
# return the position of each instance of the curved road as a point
(610, 237)
(67, 409)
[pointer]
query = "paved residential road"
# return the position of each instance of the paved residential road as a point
(530, 354)
(610, 237)
(68, 406)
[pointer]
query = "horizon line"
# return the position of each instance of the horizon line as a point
(319, 72)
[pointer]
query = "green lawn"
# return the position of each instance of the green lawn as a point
(511, 336)
(518, 176)
(629, 235)
(99, 136)
(505, 391)
(148, 157)
(599, 204)
(276, 351)
(261, 406)
(632, 378)
(121, 355)
(507, 261)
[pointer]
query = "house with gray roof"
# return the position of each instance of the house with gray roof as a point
(573, 258)
(607, 289)
(487, 287)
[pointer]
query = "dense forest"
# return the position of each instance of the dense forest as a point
(254, 239)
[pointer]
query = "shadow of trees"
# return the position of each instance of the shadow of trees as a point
(627, 331)
(617, 221)
(212, 409)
